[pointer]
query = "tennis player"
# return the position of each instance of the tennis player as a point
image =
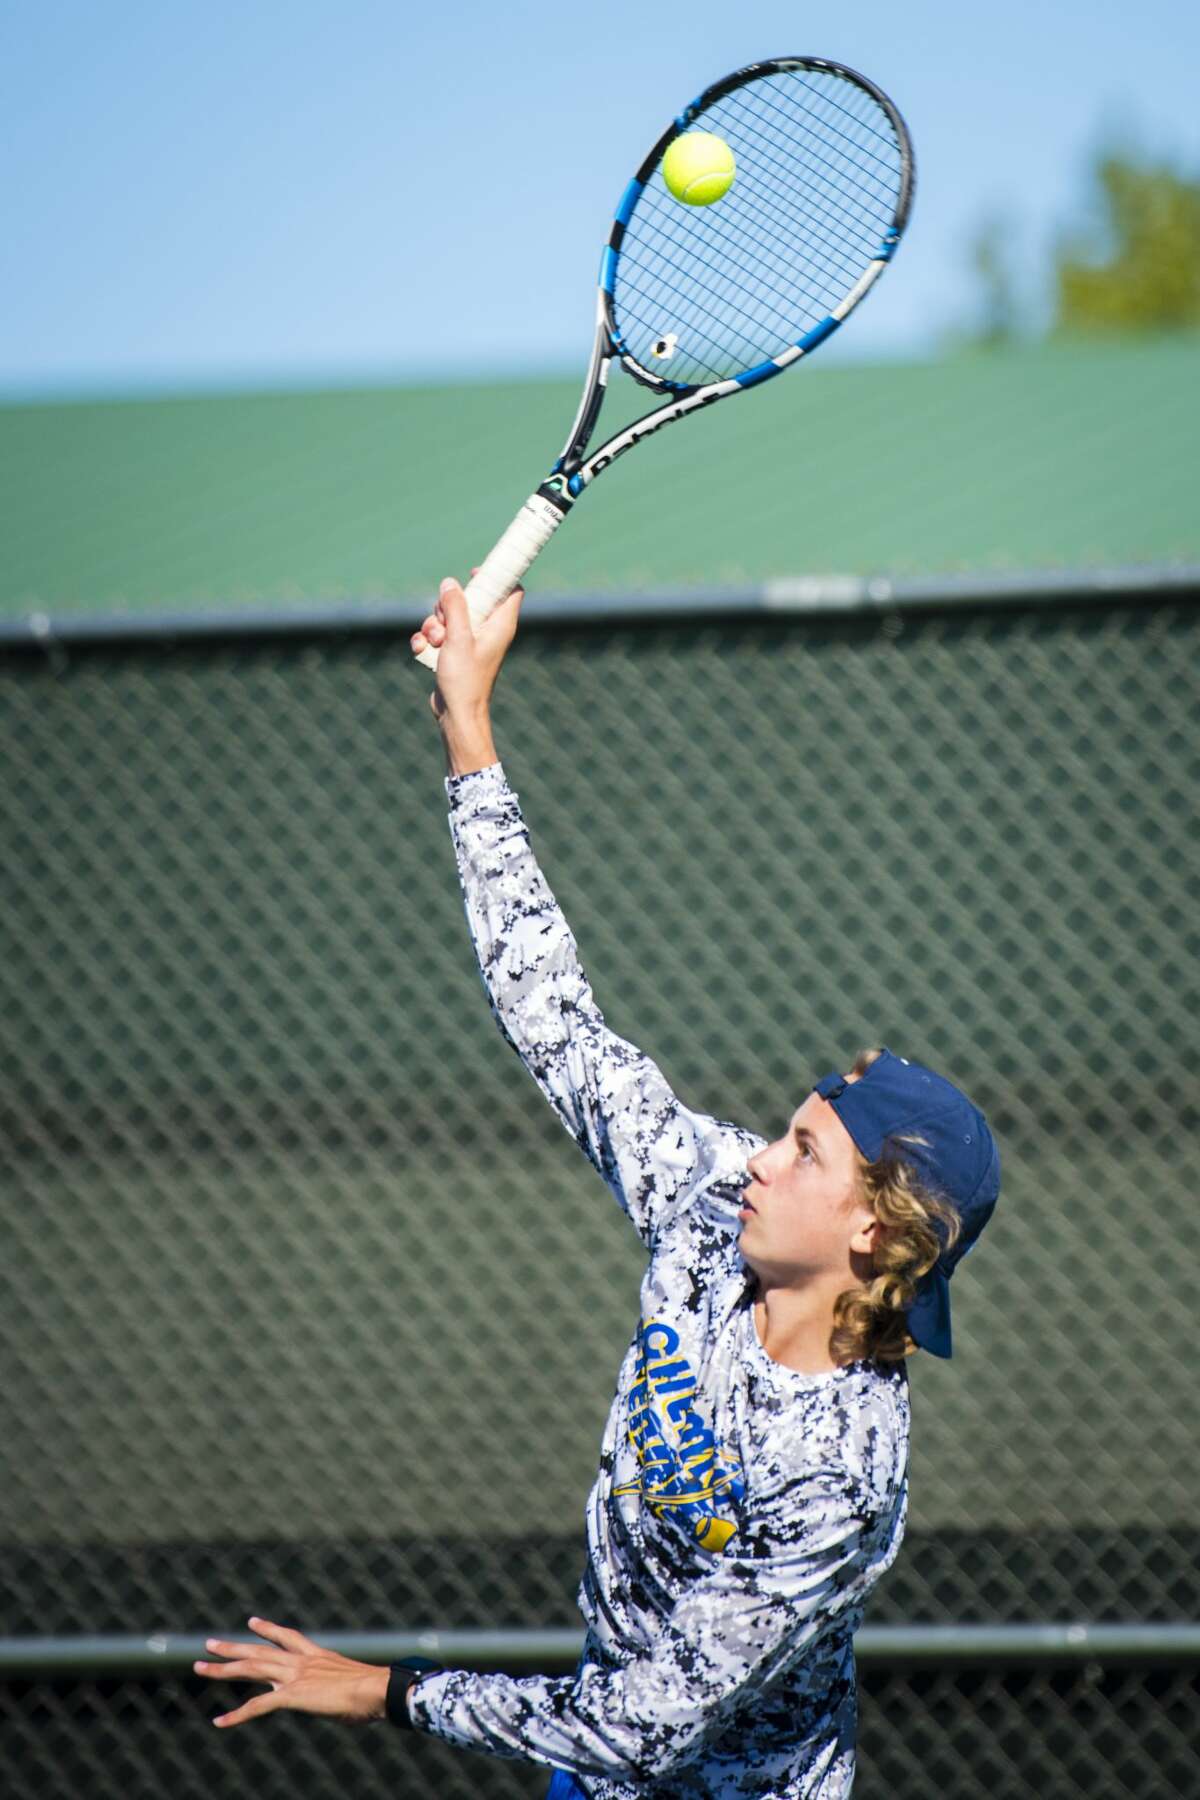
(752, 1482)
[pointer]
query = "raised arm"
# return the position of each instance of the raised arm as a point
(651, 1150)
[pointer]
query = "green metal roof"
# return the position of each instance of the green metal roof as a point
(1053, 457)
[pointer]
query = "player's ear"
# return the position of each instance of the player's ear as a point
(866, 1238)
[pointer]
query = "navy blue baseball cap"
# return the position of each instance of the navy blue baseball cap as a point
(960, 1162)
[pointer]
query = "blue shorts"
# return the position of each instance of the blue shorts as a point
(564, 1787)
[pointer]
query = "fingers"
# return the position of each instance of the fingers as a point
(287, 1635)
(262, 1665)
(255, 1662)
(450, 614)
(256, 1668)
(245, 1662)
(302, 1677)
(452, 606)
(432, 632)
(253, 1709)
(292, 1642)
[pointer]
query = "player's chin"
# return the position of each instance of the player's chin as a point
(747, 1238)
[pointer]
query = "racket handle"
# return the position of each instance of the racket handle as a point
(502, 569)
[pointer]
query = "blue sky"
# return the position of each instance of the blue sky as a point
(295, 194)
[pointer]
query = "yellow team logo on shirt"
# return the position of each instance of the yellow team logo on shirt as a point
(682, 1468)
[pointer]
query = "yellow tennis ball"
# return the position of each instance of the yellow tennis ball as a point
(698, 167)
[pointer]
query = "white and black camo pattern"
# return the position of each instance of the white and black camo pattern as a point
(742, 1511)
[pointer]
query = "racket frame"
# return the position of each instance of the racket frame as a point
(574, 470)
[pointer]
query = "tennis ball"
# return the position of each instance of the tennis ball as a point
(698, 167)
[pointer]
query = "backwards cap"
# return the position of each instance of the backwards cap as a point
(959, 1161)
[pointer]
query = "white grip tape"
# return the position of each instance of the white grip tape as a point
(503, 567)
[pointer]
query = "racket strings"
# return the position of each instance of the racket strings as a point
(744, 310)
(841, 242)
(738, 208)
(739, 284)
(732, 288)
(717, 346)
(826, 212)
(822, 118)
(722, 318)
(718, 338)
(850, 216)
(827, 258)
(842, 228)
(818, 138)
(865, 119)
(726, 287)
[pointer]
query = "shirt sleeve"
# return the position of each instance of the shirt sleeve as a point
(652, 1151)
(731, 1633)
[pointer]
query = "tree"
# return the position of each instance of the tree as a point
(1141, 272)
(992, 258)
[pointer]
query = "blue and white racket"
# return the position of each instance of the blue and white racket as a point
(701, 302)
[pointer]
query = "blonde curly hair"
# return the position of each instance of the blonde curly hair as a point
(869, 1322)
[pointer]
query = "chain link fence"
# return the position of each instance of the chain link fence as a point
(310, 1308)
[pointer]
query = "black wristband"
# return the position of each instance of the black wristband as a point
(402, 1677)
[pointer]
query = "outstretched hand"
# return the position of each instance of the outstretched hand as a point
(303, 1677)
(468, 661)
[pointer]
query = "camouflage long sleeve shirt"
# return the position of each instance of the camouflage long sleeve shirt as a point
(742, 1511)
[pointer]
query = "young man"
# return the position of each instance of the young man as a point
(752, 1482)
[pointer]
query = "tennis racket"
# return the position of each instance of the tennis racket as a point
(700, 303)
